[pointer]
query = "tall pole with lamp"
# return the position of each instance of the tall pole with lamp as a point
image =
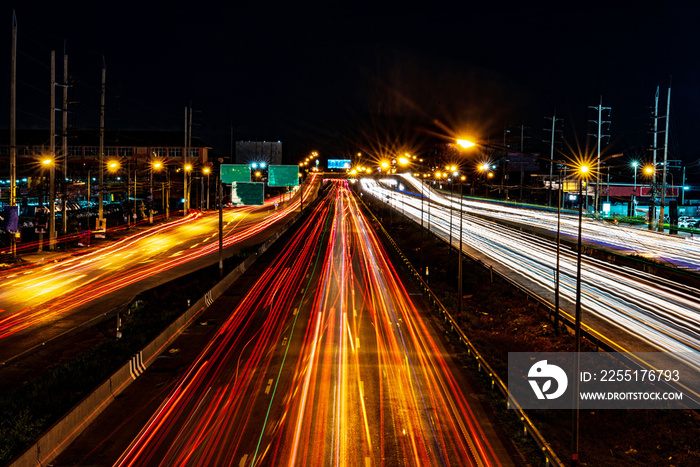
(583, 171)
(452, 169)
(651, 173)
(634, 164)
(220, 198)
(207, 170)
(187, 169)
(459, 254)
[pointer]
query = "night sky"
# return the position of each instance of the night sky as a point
(348, 77)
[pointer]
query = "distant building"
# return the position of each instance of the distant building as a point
(136, 147)
(269, 152)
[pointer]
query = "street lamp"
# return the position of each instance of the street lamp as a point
(583, 174)
(651, 213)
(459, 255)
(453, 170)
(484, 168)
(156, 164)
(634, 164)
(186, 192)
(49, 162)
(465, 143)
(207, 170)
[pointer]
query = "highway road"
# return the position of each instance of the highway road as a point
(681, 251)
(42, 301)
(326, 360)
(663, 315)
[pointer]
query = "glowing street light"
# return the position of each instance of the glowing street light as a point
(650, 172)
(186, 198)
(206, 171)
(583, 173)
(465, 143)
(48, 162)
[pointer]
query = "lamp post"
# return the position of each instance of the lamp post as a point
(650, 172)
(220, 198)
(88, 207)
(557, 274)
(453, 169)
(583, 171)
(634, 164)
(206, 171)
(155, 165)
(459, 254)
(186, 192)
(51, 163)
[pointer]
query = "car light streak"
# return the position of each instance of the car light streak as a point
(681, 251)
(57, 289)
(662, 314)
(322, 411)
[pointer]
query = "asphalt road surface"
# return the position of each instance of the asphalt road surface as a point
(326, 359)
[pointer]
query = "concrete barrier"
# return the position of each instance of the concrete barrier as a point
(68, 428)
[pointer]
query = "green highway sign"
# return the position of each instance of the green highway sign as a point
(235, 173)
(247, 194)
(283, 175)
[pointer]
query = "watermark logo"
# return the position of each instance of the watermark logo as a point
(541, 371)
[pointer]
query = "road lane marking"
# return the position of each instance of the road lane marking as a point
(294, 313)
(269, 385)
(284, 342)
(357, 342)
(243, 461)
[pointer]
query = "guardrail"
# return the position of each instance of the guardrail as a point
(496, 382)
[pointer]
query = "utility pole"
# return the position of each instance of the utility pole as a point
(52, 169)
(64, 141)
(13, 144)
(554, 120)
(599, 136)
(220, 198)
(522, 169)
(520, 161)
(185, 155)
(663, 177)
(100, 192)
(652, 208)
(189, 145)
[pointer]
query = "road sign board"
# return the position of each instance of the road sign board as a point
(283, 175)
(247, 194)
(235, 173)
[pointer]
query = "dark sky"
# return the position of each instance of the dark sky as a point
(333, 75)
